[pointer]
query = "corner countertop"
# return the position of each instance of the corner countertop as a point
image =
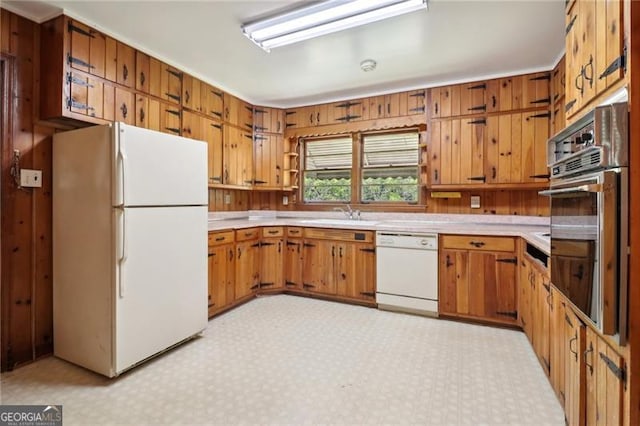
(532, 228)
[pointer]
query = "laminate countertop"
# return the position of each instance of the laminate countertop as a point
(534, 229)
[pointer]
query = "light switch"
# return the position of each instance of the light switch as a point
(227, 198)
(475, 201)
(285, 200)
(31, 178)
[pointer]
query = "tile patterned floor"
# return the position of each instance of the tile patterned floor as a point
(290, 360)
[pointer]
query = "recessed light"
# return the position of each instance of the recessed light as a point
(368, 65)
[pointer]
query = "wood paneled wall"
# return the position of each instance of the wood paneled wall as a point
(26, 213)
(522, 203)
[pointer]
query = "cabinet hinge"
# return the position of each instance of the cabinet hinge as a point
(619, 372)
(173, 130)
(78, 61)
(478, 86)
(513, 260)
(570, 105)
(217, 126)
(478, 121)
(347, 104)
(259, 111)
(619, 62)
(512, 314)
(175, 73)
(368, 294)
(173, 112)
(417, 109)
(290, 243)
(71, 103)
(259, 129)
(308, 245)
(347, 118)
(217, 114)
(255, 287)
(421, 94)
(290, 284)
(546, 76)
(260, 137)
(570, 25)
(265, 285)
(258, 244)
(172, 96)
(79, 30)
(541, 115)
(368, 250)
(480, 178)
(543, 176)
(478, 108)
(267, 244)
(289, 112)
(287, 125)
(72, 79)
(305, 285)
(568, 320)
(541, 101)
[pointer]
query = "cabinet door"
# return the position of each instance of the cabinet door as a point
(435, 152)
(364, 271)
(277, 120)
(493, 95)
(87, 49)
(271, 263)
(574, 371)
(557, 344)
(231, 140)
(191, 93)
(318, 273)
(415, 102)
(212, 101)
(86, 95)
(171, 84)
(605, 375)
(212, 134)
(244, 160)
(573, 83)
(525, 315)
(610, 43)
(435, 108)
(142, 111)
(541, 318)
(231, 107)
(247, 268)
(221, 277)
(142, 72)
(261, 119)
(245, 117)
(492, 290)
(345, 273)
(293, 264)
(536, 90)
(587, 49)
(125, 106)
(454, 282)
(533, 147)
(376, 107)
(126, 65)
(268, 157)
(472, 98)
(154, 78)
(170, 119)
(471, 153)
(557, 81)
(152, 115)
(192, 125)
(290, 119)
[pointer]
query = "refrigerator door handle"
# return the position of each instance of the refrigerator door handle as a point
(123, 159)
(123, 250)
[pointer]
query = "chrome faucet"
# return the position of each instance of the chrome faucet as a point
(349, 212)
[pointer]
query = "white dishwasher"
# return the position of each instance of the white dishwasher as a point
(407, 272)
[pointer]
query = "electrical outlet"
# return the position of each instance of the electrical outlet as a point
(30, 178)
(227, 198)
(285, 200)
(475, 201)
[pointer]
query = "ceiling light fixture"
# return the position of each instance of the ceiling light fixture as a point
(324, 18)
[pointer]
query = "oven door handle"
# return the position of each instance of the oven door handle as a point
(581, 189)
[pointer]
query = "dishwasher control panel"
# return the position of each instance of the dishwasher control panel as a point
(407, 240)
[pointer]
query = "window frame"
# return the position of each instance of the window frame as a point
(356, 170)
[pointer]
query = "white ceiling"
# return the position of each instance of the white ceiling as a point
(452, 41)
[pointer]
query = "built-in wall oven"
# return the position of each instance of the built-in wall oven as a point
(589, 216)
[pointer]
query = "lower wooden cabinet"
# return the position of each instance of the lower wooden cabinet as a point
(221, 271)
(478, 278)
(247, 263)
(339, 263)
(574, 381)
(271, 258)
(557, 344)
(292, 274)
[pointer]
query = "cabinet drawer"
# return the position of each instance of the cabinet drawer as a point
(247, 234)
(478, 242)
(217, 238)
(273, 231)
(339, 235)
(294, 231)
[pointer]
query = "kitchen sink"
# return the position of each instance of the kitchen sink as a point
(349, 222)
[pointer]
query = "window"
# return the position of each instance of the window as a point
(327, 169)
(390, 167)
(383, 169)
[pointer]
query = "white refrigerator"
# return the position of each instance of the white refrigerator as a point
(129, 244)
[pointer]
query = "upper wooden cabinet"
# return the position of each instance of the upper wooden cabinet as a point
(497, 95)
(238, 112)
(191, 93)
(211, 101)
(158, 79)
(268, 120)
(594, 43)
(397, 104)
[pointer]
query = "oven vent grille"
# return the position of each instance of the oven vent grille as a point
(587, 161)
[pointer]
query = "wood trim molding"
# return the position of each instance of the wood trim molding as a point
(359, 126)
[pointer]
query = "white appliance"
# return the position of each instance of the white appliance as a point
(129, 244)
(407, 272)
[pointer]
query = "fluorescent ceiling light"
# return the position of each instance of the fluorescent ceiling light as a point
(324, 18)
